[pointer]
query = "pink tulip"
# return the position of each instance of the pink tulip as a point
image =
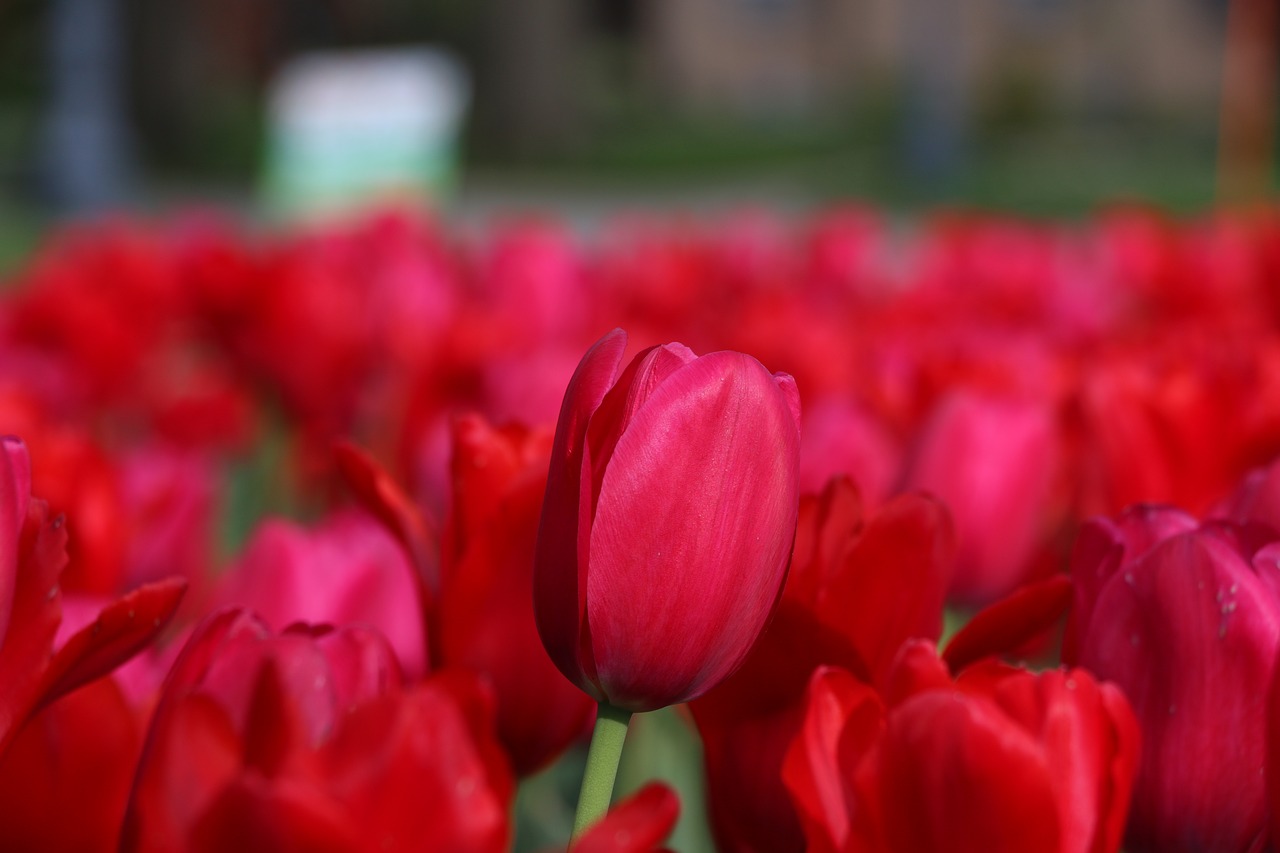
(996, 462)
(670, 511)
(347, 569)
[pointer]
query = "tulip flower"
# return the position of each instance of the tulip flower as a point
(485, 618)
(996, 463)
(36, 667)
(1001, 760)
(667, 524)
(347, 569)
(860, 584)
(304, 741)
(668, 521)
(1186, 621)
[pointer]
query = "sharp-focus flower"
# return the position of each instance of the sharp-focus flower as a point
(668, 521)
(304, 741)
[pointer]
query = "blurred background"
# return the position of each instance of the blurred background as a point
(579, 106)
(288, 110)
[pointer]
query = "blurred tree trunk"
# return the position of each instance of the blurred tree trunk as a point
(1246, 133)
(530, 90)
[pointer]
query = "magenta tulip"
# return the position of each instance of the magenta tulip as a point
(669, 516)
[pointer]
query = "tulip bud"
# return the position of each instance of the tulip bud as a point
(668, 521)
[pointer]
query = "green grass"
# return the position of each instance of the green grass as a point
(1052, 168)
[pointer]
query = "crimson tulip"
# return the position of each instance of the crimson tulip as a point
(36, 666)
(668, 520)
(1002, 760)
(485, 621)
(638, 824)
(304, 741)
(1185, 620)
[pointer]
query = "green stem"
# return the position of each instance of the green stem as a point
(602, 766)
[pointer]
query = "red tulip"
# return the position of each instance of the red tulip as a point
(32, 555)
(638, 824)
(304, 741)
(78, 753)
(859, 586)
(668, 520)
(1003, 760)
(485, 620)
(1187, 624)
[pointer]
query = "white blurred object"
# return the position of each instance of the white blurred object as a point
(354, 128)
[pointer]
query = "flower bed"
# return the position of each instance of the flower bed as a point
(273, 503)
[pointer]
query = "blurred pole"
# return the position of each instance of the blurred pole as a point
(1247, 122)
(85, 157)
(937, 96)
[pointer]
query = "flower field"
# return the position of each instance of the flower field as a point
(953, 533)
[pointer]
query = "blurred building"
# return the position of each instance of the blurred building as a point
(784, 55)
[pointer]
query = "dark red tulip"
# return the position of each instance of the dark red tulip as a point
(1187, 628)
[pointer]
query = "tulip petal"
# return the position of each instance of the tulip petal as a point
(892, 581)
(638, 824)
(952, 773)
(1009, 623)
(26, 648)
(1188, 632)
(692, 533)
(379, 494)
(1090, 738)
(559, 578)
(842, 719)
(122, 629)
(827, 524)
(15, 494)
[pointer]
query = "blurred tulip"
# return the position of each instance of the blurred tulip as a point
(346, 570)
(669, 514)
(34, 669)
(1182, 622)
(80, 752)
(485, 620)
(1007, 760)
(304, 741)
(997, 464)
(638, 824)
(859, 587)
